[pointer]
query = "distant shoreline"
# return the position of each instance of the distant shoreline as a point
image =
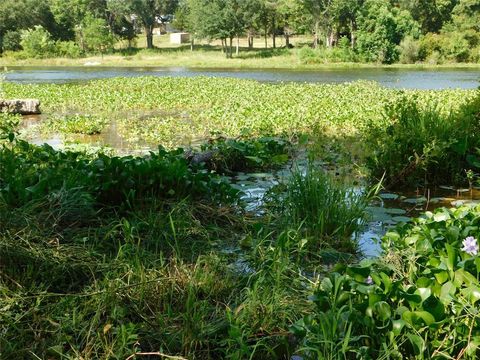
(201, 60)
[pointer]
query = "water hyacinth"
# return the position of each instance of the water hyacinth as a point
(470, 245)
(369, 280)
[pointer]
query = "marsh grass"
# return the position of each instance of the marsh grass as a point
(326, 211)
(420, 144)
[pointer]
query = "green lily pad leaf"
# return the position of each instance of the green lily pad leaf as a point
(435, 307)
(441, 216)
(419, 200)
(395, 211)
(389, 196)
(447, 293)
(404, 219)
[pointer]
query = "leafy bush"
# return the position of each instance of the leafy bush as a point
(29, 172)
(11, 41)
(419, 302)
(409, 51)
(68, 49)
(94, 35)
(37, 42)
(415, 144)
(341, 53)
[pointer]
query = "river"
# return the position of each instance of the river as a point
(400, 78)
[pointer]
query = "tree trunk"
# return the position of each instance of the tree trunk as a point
(192, 43)
(250, 39)
(231, 47)
(353, 33)
(266, 36)
(225, 47)
(287, 40)
(273, 32)
(237, 51)
(316, 37)
(149, 35)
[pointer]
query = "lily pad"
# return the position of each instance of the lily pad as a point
(419, 200)
(399, 219)
(389, 196)
(395, 211)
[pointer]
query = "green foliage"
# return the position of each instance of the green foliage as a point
(176, 112)
(422, 302)
(94, 35)
(29, 172)
(381, 29)
(75, 124)
(229, 155)
(11, 41)
(326, 211)
(409, 51)
(417, 144)
(68, 49)
(323, 55)
(37, 42)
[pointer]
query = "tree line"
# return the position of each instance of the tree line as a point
(363, 30)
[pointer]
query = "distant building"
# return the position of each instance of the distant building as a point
(179, 38)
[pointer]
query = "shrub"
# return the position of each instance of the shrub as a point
(68, 49)
(456, 47)
(429, 44)
(94, 35)
(11, 41)
(418, 145)
(340, 53)
(37, 42)
(409, 51)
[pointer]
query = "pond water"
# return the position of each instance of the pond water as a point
(390, 77)
(387, 211)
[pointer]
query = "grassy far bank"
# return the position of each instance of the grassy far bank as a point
(120, 257)
(209, 55)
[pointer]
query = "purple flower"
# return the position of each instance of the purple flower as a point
(470, 245)
(369, 280)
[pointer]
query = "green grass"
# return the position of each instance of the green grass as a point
(417, 145)
(326, 211)
(209, 55)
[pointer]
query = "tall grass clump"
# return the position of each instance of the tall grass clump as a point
(327, 211)
(419, 144)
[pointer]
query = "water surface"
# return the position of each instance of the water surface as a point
(390, 77)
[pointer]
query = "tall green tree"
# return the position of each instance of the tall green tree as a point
(322, 17)
(70, 13)
(18, 15)
(431, 15)
(346, 13)
(217, 19)
(148, 12)
(381, 29)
